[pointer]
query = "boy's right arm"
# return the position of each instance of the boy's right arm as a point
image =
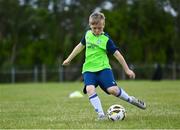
(75, 51)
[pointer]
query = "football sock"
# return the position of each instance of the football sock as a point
(96, 103)
(124, 96)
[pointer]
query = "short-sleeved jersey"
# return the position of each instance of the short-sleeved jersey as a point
(97, 47)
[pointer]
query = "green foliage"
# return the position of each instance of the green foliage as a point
(144, 30)
(41, 31)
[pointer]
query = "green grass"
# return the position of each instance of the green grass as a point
(47, 106)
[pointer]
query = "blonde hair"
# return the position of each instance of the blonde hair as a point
(96, 17)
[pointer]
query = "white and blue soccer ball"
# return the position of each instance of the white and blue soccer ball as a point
(116, 112)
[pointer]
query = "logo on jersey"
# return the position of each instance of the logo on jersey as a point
(98, 41)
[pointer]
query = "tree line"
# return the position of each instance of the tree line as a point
(36, 32)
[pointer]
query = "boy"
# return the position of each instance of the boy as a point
(96, 69)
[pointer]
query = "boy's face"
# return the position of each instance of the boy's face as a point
(98, 28)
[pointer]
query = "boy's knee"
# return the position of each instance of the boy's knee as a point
(90, 89)
(114, 90)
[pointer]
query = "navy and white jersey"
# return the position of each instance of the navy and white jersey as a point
(110, 47)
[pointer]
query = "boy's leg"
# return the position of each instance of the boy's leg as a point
(95, 101)
(90, 81)
(107, 83)
(119, 92)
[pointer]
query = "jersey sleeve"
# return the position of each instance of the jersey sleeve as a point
(111, 47)
(83, 40)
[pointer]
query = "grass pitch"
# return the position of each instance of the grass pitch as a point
(47, 106)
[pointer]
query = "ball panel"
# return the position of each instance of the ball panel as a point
(116, 112)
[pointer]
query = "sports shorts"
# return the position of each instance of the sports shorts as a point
(103, 78)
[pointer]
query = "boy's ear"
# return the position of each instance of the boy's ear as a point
(104, 23)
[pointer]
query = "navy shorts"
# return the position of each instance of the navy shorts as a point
(103, 78)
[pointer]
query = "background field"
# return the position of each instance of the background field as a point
(48, 106)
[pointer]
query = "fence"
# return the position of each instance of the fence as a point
(73, 73)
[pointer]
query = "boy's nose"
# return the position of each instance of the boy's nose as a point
(97, 31)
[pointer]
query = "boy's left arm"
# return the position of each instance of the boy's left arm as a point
(122, 61)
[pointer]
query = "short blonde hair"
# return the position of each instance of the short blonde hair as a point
(96, 17)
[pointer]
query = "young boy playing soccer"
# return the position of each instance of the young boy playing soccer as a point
(96, 69)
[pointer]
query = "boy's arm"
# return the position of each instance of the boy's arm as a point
(122, 61)
(75, 51)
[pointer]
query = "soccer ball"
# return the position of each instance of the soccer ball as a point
(116, 112)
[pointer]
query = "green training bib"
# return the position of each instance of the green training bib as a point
(96, 58)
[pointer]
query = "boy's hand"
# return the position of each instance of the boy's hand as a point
(66, 62)
(131, 74)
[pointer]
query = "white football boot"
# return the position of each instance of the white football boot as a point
(138, 103)
(101, 117)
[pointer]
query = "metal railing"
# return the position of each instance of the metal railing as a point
(61, 74)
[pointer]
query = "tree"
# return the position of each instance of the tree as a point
(145, 36)
(36, 32)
